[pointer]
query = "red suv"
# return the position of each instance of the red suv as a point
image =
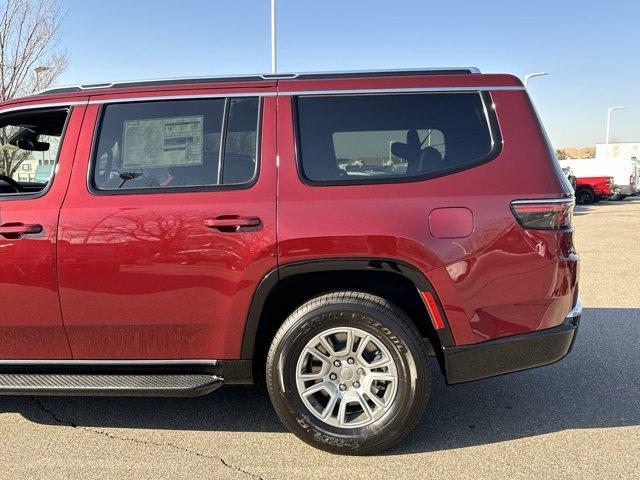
(331, 230)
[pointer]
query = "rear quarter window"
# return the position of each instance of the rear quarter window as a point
(393, 137)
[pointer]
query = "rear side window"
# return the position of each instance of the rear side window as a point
(379, 138)
(179, 143)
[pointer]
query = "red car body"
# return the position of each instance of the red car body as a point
(142, 277)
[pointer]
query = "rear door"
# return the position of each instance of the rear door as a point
(30, 320)
(169, 225)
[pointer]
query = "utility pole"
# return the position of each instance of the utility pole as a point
(611, 109)
(274, 63)
(529, 76)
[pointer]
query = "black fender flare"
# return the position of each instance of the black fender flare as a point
(273, 277)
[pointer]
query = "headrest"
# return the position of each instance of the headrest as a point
(430, 155)
(399, 149)
(413, 139)
(409, 151)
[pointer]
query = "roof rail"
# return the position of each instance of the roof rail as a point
(257, 77)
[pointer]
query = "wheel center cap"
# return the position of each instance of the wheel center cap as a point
(346, 374)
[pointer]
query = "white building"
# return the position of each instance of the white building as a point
(618, 150)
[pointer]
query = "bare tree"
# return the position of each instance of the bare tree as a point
(30, 58)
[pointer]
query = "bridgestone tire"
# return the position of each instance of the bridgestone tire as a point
(384, 322)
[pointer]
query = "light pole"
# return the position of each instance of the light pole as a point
(38, 70)
(274, 64)
(611, 109)
(533, 75)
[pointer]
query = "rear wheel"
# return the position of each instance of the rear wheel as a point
(348, 373)
(585, 196)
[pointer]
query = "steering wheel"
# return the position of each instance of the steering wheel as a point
(11, 182)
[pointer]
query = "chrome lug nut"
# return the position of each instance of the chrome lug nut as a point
(342, 387)
(333, 376)
(356, 384)
(337, 363)
(350, 361)
(360, 371)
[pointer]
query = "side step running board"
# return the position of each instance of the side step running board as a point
(152, 385)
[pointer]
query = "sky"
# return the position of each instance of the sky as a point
(590, 48)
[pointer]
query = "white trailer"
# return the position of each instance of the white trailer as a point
(624, 171)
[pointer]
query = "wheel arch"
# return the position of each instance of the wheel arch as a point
(303, 280)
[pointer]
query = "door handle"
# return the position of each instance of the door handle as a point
(232, 223)
(14, 231)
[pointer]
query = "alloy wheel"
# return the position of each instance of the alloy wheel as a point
(346, 377)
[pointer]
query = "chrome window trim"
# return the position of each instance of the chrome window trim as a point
(359, 91)
(568, 200)
(103, 101)
(374, 91)
(38, 106)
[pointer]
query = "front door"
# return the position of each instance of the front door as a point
(168, 226)
(36, 156)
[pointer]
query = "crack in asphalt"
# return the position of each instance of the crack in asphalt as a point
(59, 420)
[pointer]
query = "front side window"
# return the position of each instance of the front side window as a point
(29, 140)
(181, 143)
(373, 138)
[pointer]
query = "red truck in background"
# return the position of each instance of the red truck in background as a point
(593, 189)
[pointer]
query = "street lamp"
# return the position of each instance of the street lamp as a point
(532, 75)
(274, 65)
(611, 109)
(38, 70)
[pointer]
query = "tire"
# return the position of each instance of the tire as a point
(585, 196)
(391, 333)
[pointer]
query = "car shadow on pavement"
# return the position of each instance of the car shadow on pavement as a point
(629, 202)
(596, 386)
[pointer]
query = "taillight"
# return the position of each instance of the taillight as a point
(544, 214)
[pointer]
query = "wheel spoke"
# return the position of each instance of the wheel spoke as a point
(383, 362)
(363, 344)
(314, 352)
(326, 386)
(349, 343)
(342, 412)
(337, 384)
(365, 406)
(312, 376)
(330, 406)
(327, 346)
(377, 400)
(381, 376)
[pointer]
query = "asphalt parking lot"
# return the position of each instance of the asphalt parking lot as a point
(579, 418)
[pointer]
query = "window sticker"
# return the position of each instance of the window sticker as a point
(163, 142)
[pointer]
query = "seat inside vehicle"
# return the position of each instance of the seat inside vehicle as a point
(29, 142)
